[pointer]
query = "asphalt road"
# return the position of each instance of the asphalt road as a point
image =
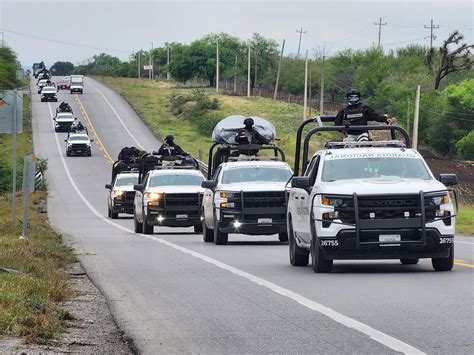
(173, 293)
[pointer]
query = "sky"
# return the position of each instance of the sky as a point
(74, 31)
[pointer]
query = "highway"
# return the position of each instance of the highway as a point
(173, 293)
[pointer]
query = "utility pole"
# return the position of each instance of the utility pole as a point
(217, 67)
(275, 93)
(255, 76)
(305, 100)
(415, 119)
(301, 32)
(168, 74)
(432, 37)
(408, 114)
(380, 24)
(248, 73)
(138, 59)
(15, 94)
(150, 72)
(3, 39)
(235, 73)
(321, 97)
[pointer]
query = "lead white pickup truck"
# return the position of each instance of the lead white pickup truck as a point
(371, 200)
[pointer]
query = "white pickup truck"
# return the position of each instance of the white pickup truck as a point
(247, 197)
(370, 201)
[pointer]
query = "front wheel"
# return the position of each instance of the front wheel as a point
(113, 215)
(147, 229)
(318, 262)
(298, 256)
(444, 264)
(137, 225)
(220, 238)
(207, 234)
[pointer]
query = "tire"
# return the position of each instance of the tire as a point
(219, 237)
(89, 154)
(138, 227)
(408, 261)
(318, 262)
(207, 234)
(147, 229)
(444, 264)
(298, 256)
(198, 229)
(113, 215)
(283, 237)
(68, 154)
(109, 214)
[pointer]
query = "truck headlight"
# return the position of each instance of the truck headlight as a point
(330, 201)
(439, 200)
(118, 194)
(152, 198)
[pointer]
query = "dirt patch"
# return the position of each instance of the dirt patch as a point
(91, 328)
(463, 169)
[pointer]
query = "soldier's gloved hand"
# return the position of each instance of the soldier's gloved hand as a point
(390, 119)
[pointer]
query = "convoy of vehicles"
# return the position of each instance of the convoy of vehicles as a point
(368, 200)
(350, 200)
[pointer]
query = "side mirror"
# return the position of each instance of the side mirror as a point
(448, 179)
(75, 118)
(139, 187)
(65, 140)
(208, 184)
(108, 186)
(91, 140)
(301, 182)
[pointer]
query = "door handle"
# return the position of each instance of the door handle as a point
(296, 197)
(302, 197)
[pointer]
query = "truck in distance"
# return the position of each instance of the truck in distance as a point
(76, 84)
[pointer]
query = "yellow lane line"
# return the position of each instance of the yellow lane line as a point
(94, 132)
(461, 260)
(464, 264)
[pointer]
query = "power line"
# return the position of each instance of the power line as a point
(407, 41)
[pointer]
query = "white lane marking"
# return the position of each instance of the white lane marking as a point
(457, 241)
(378, 336)
(116, 114)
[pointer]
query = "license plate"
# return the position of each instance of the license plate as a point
(390, 238)
(181, 216)
(265, 221)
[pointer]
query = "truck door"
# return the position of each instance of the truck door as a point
(305, 200)
(208, 201)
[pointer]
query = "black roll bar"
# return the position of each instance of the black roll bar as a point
(344, 129)
(242, 148)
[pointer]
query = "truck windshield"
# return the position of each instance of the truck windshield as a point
(173, 180)
(378, 168)
(256, 174)
(127, 181)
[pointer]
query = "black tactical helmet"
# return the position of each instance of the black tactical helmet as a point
(248, 122)
(169, 139)
(353, 97)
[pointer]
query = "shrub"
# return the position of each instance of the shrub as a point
(465, 146)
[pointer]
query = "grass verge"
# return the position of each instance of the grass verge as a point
(28, 299)
(151, 100)
(465, 220)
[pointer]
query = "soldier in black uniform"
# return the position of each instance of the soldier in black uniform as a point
(170, 148)
(358, 114)
(249, 135)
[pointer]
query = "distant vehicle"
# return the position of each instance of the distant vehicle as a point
(78, 144)
(77, 84)
(122, 194)
(42, 83)
(368, 200)
(63, 84)
(49, 93)
(63, 121)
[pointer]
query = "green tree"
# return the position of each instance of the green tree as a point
(8, 68)
(62, 68)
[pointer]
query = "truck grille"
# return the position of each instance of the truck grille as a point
(260, 199)
(79, 146)
(179, 200)
(385, 208)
